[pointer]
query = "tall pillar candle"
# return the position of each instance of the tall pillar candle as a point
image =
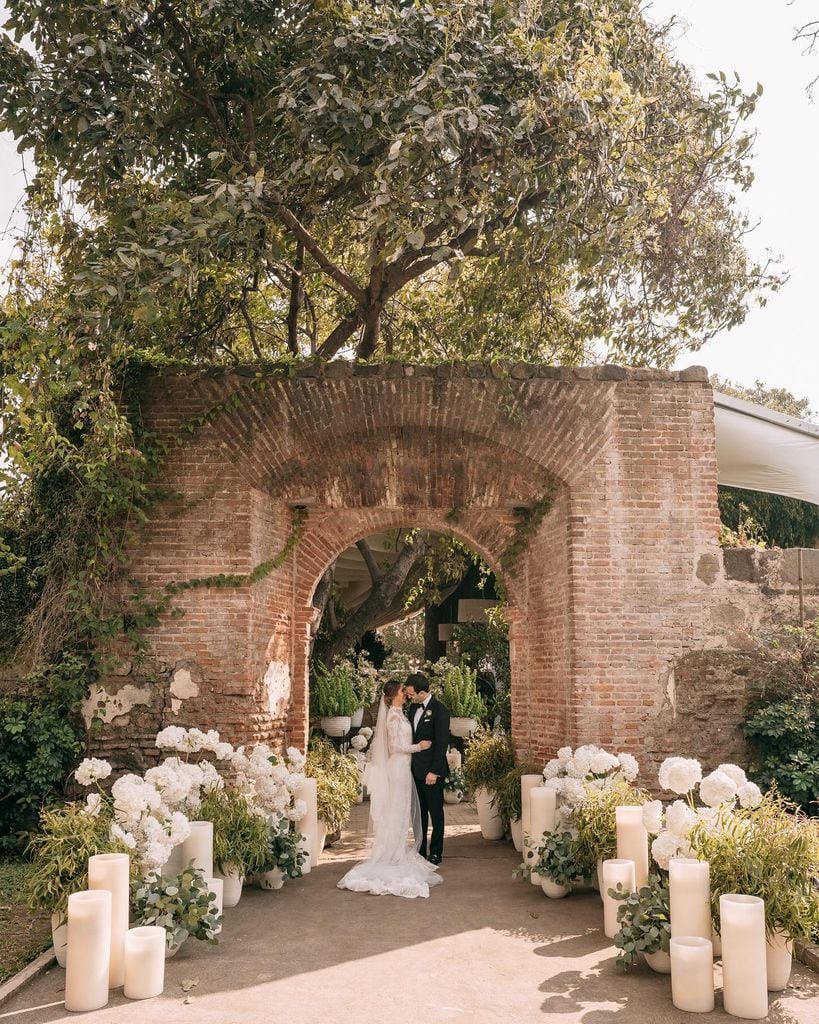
(144, 962)
(527, 784)
(308, 826)
(692, 973)
(689, 889)
(198, 847)
(88, 955)
(110, 871)
(744, 968)
(632, 841)
(615, 872)
(542, 808)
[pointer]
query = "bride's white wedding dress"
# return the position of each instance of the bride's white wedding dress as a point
(394, 867)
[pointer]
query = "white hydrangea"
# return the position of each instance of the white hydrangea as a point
(91, 770)
(358, 743)
(126, 838)
(223, 751)
(93, 804)
(172, 781)
(171, 738)
(717, 788)
(194, 741)
(179, 827)
(296, 758)
(553, 768)
(680, 819)
(601, 762)
(564, 755)
(133, 796)
(733, 771)
(653, 816)
(664, 847)
(572, 792)
(555, 784)
(366, 731)
(750, 795)
(680, 774)
(629, 766)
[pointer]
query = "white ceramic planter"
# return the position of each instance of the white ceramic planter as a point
(339, 725)
(516, 828)
(322, 835)
(173, 950)
(59, 937)
(552, 889)
(659, 962)
(273, 879)
(491, 822)
(357, 719)
(232, 881)
(453, 796)
(462, 727)
(779, 961)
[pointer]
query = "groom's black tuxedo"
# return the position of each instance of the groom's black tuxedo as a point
(433, 725)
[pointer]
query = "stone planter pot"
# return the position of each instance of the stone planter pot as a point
(59, 936)
(453, 796)
(552, 889)
(338, 725)
(659, 962)
(779, 960)
(516, 828)
(462, 727)
(232, 880)
(357, 719)
(174, 949)
(273, 879)
(491, 822)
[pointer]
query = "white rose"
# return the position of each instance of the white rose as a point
(733, 771)
(750, 795)
(680, 774)
(717, 788)
(680, 819)
(91, 770)
(653, 816)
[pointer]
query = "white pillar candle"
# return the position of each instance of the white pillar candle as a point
(198, 847)
(308, 826)
(692, 973)
(744, 968)
(632, 841)
(542, 808)
(110, 871)
(144, 962)
(527, 784)
(615, 871)
(88, 955)
(689, 888)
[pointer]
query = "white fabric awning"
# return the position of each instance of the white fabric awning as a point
(762, 450)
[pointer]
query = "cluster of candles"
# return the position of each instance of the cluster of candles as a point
(742, 918)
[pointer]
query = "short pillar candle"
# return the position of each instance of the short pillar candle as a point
(689, 893)
(88, 954)
(744, 966)
(198, 847)
(632, 841)
(527, 784)
(615, 871)
(308, 825)
(144, 962)
(542, 809)
(111, 872)
(692, 973)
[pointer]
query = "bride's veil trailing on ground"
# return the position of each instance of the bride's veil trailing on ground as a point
(377, 780)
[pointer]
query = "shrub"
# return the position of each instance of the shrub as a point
(336, 776)
(489, 756)
(507, 799)
(557, 858)
(459, 694)
(333, 690)
(645, 921)
(240, 836)
(594, 819)
(181, 904)
(285, 853)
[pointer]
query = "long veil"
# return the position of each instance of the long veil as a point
(377, 780)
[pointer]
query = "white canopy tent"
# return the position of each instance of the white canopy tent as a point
(762, 450)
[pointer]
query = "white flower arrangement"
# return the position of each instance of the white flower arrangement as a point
(572, 770)
(92, 769)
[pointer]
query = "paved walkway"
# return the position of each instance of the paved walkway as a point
(484, 949)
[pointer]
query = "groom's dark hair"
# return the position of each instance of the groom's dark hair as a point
(418, 681)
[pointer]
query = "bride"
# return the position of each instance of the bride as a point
(394, 867)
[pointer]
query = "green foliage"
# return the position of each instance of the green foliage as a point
(458, 693)
(594, 820)
(771, 519)
(782, 717)
(507, 798)
(68, 836)
(489, 757)
(333, 691)
(645, 921)
(285, 852)
(181, 904)
(558, 859)
(501, 708)
(528, 520)
(772, 852)
(337, 780)
(240, 837)
(486, 646)
(455, 782)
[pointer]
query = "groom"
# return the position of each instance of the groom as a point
(430, 721)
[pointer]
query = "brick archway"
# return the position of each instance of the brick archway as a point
(607, 589)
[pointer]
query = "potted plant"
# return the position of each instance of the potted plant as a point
(459, 694)
(507, 801)
(454, 786)
(364, 686)
(594, 821)
(181, 904)
(334, 697)
(557, 864)
(770, 851)
(489, 756)
(286, 857)
(240, 839)
(68, 836)
(336, 776)
(645, 925)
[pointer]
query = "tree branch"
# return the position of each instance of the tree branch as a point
(369, 560)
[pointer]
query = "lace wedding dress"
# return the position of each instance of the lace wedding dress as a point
(394, 867)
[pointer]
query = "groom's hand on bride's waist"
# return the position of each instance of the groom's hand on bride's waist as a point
(432, 778)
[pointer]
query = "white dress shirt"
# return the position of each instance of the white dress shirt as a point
(416, 718)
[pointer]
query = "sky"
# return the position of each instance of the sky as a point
(777, 344)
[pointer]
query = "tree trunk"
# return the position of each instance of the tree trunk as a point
(433, 648)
